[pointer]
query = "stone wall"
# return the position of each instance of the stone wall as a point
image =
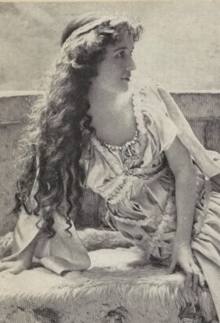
(201, 109)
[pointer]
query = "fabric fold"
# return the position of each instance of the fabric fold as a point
(203, 158)
(60, 253)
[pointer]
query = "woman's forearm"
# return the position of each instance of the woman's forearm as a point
(185, 204)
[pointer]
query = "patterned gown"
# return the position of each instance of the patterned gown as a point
(139, 189)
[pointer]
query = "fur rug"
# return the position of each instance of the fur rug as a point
(119, 287)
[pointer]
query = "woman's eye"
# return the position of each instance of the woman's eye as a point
(120, 55)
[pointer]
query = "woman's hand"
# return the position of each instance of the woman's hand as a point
(182, 255)
(14, 266)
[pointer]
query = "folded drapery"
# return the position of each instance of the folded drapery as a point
(61, 253)
(204, 159)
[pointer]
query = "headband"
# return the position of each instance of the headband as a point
(87, 27)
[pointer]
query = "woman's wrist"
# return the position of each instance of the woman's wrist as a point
(182, 242)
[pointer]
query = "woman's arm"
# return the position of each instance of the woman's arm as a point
(181, 165)
(185, 183)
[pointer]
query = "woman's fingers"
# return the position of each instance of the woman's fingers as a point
(14, 270)
(196, 276)
(196, 272)
(172, 266)
(188, 277)
(189, 274)
(190, 280)
(5, 265)
(195, 282)
(5, 272)
(11, 267)
(201, 278)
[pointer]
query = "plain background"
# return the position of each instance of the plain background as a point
(180, 47)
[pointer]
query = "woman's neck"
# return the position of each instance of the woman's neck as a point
(112, 116)
(103, 100)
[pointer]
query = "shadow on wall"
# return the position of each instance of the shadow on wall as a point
(202, 110)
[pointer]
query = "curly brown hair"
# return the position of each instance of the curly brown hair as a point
(52, 142)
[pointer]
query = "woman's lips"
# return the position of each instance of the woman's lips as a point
(126, 78)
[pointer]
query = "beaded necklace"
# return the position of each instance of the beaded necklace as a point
(126, 145)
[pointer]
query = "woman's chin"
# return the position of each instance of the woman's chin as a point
(120, 87)
(124, 86)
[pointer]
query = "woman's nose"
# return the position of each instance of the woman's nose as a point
(131, 66)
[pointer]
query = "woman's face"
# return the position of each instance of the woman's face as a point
(115, 71)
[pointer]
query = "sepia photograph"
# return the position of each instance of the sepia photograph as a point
(110, 162)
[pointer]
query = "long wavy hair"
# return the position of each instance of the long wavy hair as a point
(52, 143)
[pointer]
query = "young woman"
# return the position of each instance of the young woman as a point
(97, 128)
